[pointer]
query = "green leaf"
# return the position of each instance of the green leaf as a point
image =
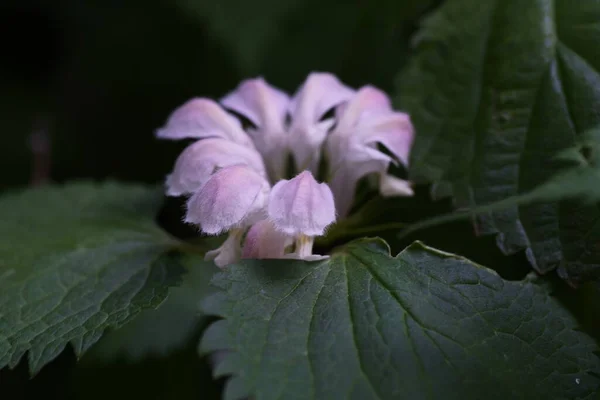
(75, 260)
(496, 90)
(365, 325)
(579, 185)
(167, 329)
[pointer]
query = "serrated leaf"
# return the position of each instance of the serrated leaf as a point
(496, 90)
(425, 324)
(75, 260)
(167, 329)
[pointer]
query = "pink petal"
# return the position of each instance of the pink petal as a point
(266, 107)
(260, 102)
(320, 93)
(264, 241)
(202, 118)
(365, 121)
(368, 101)
(393, 130)
(362, 161)
(201, 159)
(233, 197)
(301, 206)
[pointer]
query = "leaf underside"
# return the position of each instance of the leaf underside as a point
(364, 325)
(74, 261)
(496, 89)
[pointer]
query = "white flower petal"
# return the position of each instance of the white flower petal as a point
(264, 241)
(301, 206)
(229, 252)
(201, 159)
(202, 118)
(306, 144)
(390, 186)
(233, 197)
(320, 93)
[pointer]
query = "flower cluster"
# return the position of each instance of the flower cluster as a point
(235, 176)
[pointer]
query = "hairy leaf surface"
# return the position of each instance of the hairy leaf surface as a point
(75, 260)
(365, 325)
(496, 90)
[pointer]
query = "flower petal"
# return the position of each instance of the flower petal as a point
(390, 186)
(267, 108)
(365, 121)
(261, 103)
(320, 93)
(264, 241)
(301, 206)
(368, 101)
(229, 252)
(202, 118)
(233, 197)
(361, 161)
(394, 130)
(201, 159)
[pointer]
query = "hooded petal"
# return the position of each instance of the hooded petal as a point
(369, 119)
(364, 122)
(264, 241)
(320, 93)
(301, 206)
(201, 159)
(393, 130)
(361, 161)
(261, 103)
(202, 118)
(368, 101)
(234, 196)
(266, 107)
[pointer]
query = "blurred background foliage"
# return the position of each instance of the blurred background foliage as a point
(91, 80)
(99, 76)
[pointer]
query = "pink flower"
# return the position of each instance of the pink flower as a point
(201, 159)
(264, 241)
(266, 107)
(302, 208)
(203, 118)
(320, 93)
(269, 110)
(232, 199)
(235, 177)
(365, 121)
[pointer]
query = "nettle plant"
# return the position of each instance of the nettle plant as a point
(289, 286)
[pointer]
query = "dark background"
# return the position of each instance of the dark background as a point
(84, 84)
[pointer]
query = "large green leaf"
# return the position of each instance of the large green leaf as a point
(365, 325)
(496, 89)
(75, 260)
